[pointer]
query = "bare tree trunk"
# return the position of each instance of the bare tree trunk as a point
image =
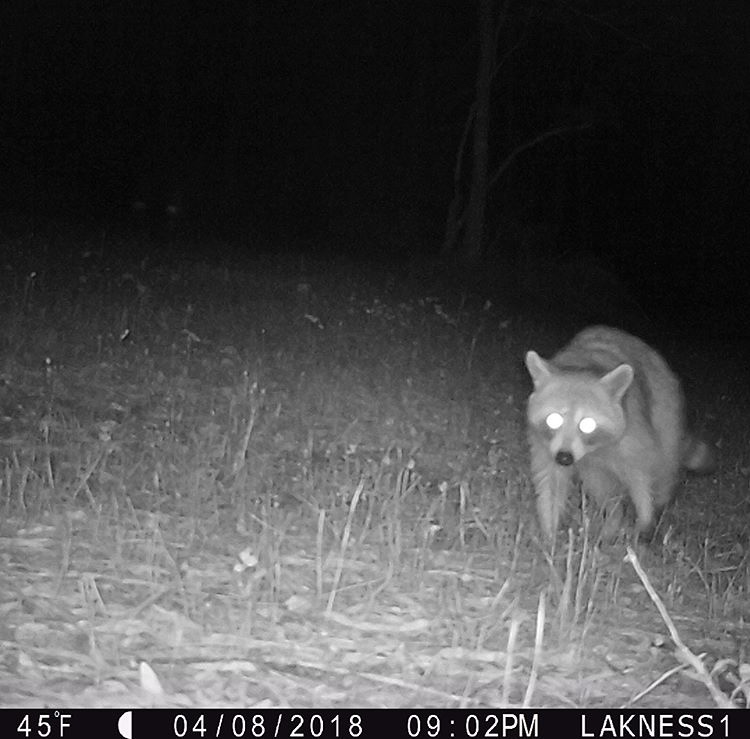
(455, 218)
(473, 241)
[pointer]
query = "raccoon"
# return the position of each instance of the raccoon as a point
(607, 413)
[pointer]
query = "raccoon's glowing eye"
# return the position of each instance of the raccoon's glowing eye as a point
(554, 421)
(587, 425)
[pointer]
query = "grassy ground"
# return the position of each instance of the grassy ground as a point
(270, 482)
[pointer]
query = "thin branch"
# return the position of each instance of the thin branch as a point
(533, 142)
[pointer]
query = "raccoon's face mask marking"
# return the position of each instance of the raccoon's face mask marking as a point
(587, 425)
(572, 432)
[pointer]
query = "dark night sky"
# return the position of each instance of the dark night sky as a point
(329, 120)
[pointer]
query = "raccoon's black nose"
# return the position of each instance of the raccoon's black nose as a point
(564, 459)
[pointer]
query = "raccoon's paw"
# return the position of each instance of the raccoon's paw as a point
(699, 456)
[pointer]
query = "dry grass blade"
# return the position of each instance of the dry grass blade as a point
(541, 615)
(344, 544)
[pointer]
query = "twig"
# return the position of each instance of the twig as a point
(682, 652)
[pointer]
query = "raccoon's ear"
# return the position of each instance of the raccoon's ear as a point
(618, 381)
(537, 367)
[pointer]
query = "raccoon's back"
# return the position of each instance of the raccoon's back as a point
(600, 349)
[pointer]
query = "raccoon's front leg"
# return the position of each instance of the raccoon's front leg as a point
(640, 488)
(552, 486)
(602, 486)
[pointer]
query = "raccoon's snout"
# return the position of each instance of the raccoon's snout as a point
(564, 458)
